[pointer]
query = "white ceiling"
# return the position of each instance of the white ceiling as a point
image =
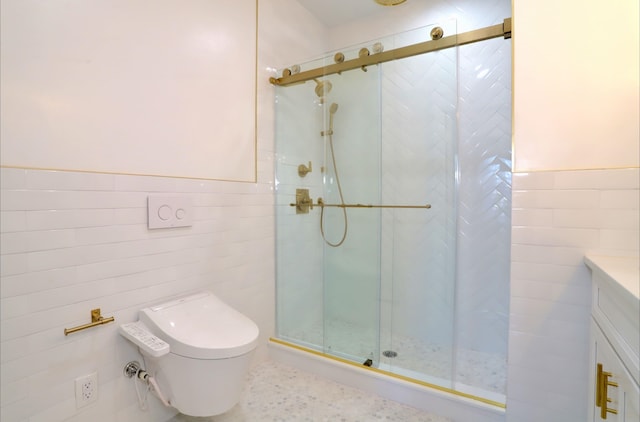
(337, 12)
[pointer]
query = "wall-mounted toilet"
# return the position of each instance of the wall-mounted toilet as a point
(210, 345)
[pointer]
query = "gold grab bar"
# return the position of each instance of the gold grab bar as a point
(96, 319)
(321, 203)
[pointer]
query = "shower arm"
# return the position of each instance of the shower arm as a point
(486, 33)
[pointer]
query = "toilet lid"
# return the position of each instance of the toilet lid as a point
(201, 326)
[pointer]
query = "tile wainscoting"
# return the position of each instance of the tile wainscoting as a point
(558, 217)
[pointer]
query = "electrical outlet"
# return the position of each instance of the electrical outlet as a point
(86, 390)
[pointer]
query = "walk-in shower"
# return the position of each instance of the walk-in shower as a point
(374, 250)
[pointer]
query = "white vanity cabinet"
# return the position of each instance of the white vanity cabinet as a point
(615, 339)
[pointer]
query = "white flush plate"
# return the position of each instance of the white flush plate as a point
(169, 211)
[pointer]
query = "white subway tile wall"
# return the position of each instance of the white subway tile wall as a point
(65, 251)
(558, 217)
(72, 242)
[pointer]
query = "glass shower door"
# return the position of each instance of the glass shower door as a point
(351, 244)
(374, 285)
(328, 258)
(299, 251)
(419, 147)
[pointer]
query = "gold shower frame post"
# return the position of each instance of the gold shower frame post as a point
(489, 32)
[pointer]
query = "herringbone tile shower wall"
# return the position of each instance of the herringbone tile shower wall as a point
(460, 248)
(484, 196)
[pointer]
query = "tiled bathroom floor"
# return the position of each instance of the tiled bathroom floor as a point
(275, 392)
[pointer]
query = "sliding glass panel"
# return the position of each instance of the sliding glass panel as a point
(419, 139)
(352, 234)
(299, 257)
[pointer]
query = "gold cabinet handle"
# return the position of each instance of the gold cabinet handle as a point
(602, 393)
(599, 385)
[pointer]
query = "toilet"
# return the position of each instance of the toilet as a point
(211, 345)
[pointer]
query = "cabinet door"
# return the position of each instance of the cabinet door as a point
(618, 390)
(631, 399)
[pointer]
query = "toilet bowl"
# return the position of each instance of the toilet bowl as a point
(211, 345)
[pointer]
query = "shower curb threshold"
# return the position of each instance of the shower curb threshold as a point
(456, 407)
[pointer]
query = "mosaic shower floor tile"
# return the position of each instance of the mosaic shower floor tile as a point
(279, 393)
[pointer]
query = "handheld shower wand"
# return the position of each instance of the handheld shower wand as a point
(333, 108)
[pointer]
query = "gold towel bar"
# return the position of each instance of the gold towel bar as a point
(322, 204)
(96, 319)
(373, 206)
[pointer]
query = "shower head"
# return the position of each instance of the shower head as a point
(332, 110)
(322, 87)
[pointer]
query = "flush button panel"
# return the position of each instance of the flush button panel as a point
(169, 211)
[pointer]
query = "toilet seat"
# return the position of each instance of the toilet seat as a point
(201, 326)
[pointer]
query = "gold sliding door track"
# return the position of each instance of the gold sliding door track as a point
(489, 32)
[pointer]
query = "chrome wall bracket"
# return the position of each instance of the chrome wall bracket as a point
(131, 369)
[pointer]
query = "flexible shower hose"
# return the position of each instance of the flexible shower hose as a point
(344, 209)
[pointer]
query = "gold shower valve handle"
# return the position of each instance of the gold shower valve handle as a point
(303, 170)
(304, 202)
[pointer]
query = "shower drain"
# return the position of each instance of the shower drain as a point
(389, 354)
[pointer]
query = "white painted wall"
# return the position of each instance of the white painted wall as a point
(130, 87)
(576, 91)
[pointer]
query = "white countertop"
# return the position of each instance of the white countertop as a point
(621, 270)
